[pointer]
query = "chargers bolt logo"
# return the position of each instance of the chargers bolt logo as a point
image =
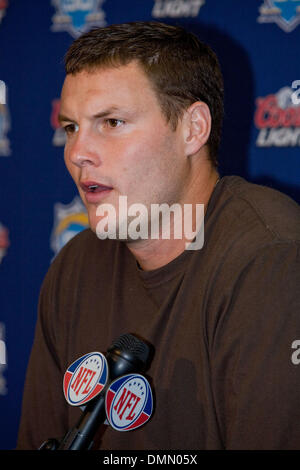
(69, 220)
(285, 13)
(85, 378)
(77, 16)
(128, 402)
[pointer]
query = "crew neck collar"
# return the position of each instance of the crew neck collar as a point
(178, 264)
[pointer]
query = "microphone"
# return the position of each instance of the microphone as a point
(127, 354)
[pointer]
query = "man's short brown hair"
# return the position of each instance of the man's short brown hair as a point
(181, 68)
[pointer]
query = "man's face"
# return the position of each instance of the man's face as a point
(118, 141)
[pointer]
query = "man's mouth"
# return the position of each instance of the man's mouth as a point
(94, 192)
(93, 187)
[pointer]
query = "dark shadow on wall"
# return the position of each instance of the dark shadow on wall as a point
(239, 104)
(238, 96)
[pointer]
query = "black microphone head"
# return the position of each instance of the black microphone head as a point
(131, 344)
(127, 354)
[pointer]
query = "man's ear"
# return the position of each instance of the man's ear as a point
(197, 127)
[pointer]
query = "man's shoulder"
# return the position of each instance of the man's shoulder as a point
(84, 240)
(84, 249)
(86, 236)
(252, 245)
(275, 213)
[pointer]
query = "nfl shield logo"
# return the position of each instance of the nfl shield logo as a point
(85, 378)
(128, 402)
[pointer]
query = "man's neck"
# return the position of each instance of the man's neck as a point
(155, 253)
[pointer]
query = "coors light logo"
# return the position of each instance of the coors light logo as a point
(277, 117)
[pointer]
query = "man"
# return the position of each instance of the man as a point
(142, 108)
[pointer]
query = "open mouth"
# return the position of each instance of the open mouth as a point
(92, 187)
(94, 192)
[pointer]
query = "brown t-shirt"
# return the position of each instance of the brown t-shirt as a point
(223, 321)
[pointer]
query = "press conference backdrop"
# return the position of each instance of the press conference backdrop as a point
(257, 42)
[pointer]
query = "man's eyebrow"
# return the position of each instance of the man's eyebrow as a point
(107, 112)
(62, 118)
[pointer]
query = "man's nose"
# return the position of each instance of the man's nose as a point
(84, 153)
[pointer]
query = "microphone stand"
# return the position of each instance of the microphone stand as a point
(128, 354)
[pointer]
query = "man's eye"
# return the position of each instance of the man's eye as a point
(113, 123)
(70, 128)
